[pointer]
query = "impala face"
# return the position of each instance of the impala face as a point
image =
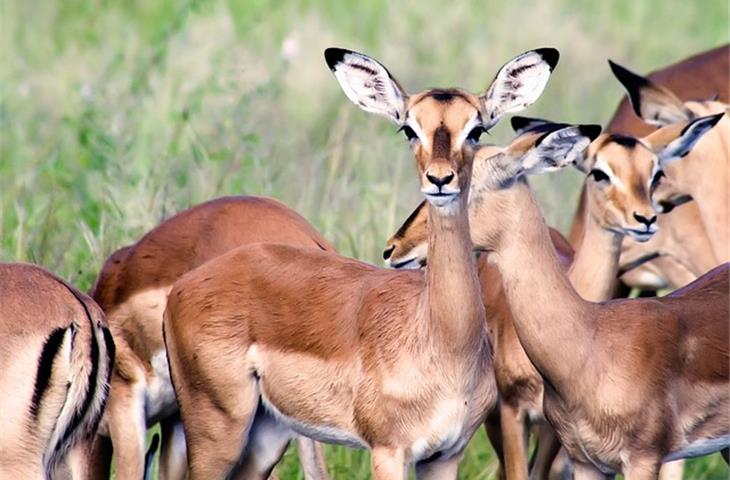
(442, 126)
(620, 176)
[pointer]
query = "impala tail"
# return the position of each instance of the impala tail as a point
(72, 378)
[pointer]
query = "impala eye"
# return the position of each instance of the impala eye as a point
(475, 134)
(410, 134)
(657, 178)
(598, 175)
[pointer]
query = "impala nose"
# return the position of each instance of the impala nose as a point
(388, 252)
(440, 181)
(644, 220)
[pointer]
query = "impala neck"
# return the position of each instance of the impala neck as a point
(596, 261)
(550, 318)
(455, 309)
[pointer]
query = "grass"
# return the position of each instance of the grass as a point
(115, 115)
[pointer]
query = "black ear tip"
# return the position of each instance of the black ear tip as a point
(591, 131)
(334, 55)
(626, 76)
(550, 55)
(518, 122)
(717, 118)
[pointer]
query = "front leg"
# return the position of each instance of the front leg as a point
(439, 470)
(514, 441)
(388, 464)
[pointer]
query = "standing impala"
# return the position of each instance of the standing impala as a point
(132, 289)
(629, 384)
(619, 171)
(56, 356)
(271, 339)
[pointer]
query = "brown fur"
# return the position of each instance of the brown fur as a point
(162, 256)
(37, 439)
(610, 387)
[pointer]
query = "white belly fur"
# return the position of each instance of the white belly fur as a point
(160, 396)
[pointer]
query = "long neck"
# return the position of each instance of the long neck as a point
(596, 261)
(455, 309)
(551, 320)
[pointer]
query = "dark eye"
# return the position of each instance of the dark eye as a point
(598, 175)
(475, 134)
(657, 178)
(410, 134)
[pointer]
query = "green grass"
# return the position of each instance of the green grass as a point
(115, 115)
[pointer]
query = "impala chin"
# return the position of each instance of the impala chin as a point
(410, 263)
(641, 235)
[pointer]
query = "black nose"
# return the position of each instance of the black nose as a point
(388, 252)
(440, 181)
(644, 220)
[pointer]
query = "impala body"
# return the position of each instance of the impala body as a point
(132, 289)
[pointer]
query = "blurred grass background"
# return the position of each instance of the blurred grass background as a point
(115, 115)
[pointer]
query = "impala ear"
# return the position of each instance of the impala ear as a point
(687, 139)
(558, 148)
(524, 124)
(653, 103)
(367, 83)
(518, 84)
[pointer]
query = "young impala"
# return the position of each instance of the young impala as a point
(628, 384)
(686, 251)
(132, 289)
(56, 356)
(618, 197)
(271, 339)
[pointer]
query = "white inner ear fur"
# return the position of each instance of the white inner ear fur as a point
(679, 147)
(557, 150)
(373, 92)
(518, 84)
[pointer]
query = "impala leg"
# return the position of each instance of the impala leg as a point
(494, 433)
(672, 470)
(388, 464)
(311, 459)
(216, 427)
(548, 447)
(640, 469)
(439, 470)
(127, 428)
(267, 442)
(514, 442)
(173, 454)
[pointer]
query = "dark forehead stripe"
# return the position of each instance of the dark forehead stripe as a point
(411, 218)
(441, 143)
(444, 95)
(623, 140)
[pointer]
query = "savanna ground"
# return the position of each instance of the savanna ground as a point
(115, 115)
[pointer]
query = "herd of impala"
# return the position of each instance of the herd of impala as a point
(237, 327)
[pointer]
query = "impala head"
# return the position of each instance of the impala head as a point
(680, 129)
(539, 149)
(442, 126)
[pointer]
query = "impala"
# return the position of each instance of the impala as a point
(132, 289)
(271, 339)
(628, 384)
(686, 251)
(619, 171)
(56, 356)
(704, 175)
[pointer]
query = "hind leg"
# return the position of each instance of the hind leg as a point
(127, 428)
(173, 455)
(311, 459)
(267, 442)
